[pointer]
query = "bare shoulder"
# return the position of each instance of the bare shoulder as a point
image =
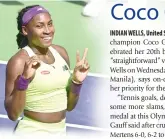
(16, 62)
(62, 51)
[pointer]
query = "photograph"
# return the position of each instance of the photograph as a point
(51, 68)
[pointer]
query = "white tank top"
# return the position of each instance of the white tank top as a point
(47, 91)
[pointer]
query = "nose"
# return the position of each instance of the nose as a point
(47, 30)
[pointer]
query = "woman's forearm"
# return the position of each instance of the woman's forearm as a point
(15, 103)
(73, 94)
(72, 101)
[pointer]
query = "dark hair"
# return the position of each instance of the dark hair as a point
(22, 40)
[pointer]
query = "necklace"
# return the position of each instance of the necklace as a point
(46, 61)
(47, 53)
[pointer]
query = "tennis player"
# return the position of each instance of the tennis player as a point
(38, 78)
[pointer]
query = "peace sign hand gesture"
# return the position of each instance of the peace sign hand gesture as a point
(82, 67)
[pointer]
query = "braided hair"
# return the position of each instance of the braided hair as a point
(22, 40)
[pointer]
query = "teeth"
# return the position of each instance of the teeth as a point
(47, 38)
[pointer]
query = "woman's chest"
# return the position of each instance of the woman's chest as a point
(49, 78)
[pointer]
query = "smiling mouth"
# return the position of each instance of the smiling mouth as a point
(47, 38)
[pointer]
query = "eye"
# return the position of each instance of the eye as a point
(39, 26)
(50, 24)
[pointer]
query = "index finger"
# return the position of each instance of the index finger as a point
(85, 54)
(77, 56)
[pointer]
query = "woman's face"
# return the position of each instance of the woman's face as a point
(40, 30)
